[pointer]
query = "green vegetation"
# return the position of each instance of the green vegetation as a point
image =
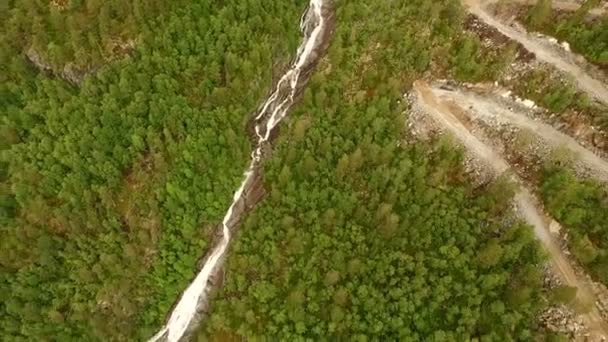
(587, 38)
(471, 62)
(581, 207)
(110, 191)
(539, 15)
(564, 294)
(75, 33)
(559, 96)
(112, 187)
(544, 86)
(363, 237)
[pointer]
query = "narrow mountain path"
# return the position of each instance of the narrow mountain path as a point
(587, 83)
(528, 206)
(315, 25)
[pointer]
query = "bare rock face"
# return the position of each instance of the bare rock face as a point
(601, 292)
(551, 280)
(563, 320)
(599, 141)
(37, 60)
(73, 75)
(59, 4)
(70, 72)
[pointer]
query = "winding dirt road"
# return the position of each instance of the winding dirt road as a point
(491, 111)
(442, 113)
(587, 83)
(568, 5)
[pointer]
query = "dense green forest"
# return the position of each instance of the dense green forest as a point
(470, 61)
(112, 190)
(363, 236)
(581, 206)
(123, 137)
(76, 35)
(587, 37)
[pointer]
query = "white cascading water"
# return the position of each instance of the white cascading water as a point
(275, 108)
